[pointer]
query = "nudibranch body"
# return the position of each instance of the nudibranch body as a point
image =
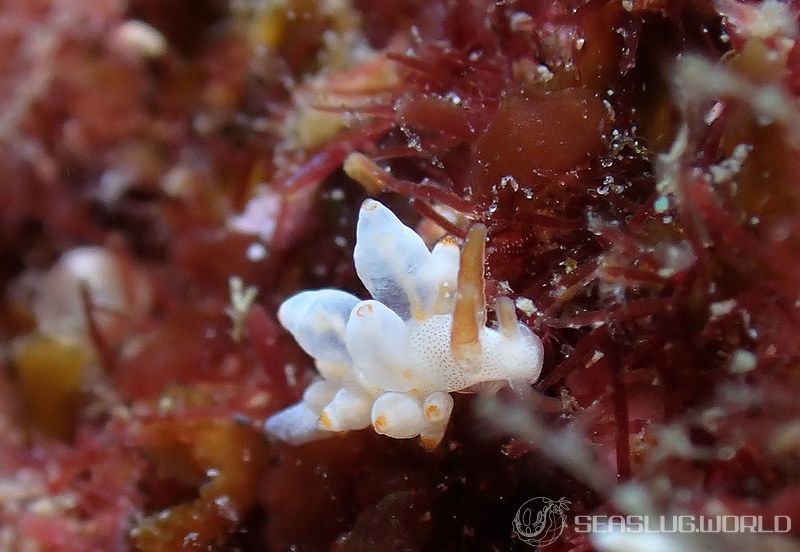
(392, 361)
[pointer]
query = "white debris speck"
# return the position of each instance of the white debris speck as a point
(137, 38)
(771, 349)
(675, 257)
(52, 505)
(742, 361)
(721, 308)
(667, 164)
(178, 183)
(259, 215)
(113, 185)
(242, 300)
(504, 287)
(337, 194)
(290, 371)
(520, 21)
(714, 113)
(725, 170)
(526, 305)
(509, 181)
(255, 252)
(661, 204)
(597, 356)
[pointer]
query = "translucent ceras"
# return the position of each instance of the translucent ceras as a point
(392, 361)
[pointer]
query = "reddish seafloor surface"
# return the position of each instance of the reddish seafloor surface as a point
(635, 162)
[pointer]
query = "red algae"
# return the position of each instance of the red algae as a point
(634, 164)
(554, 132)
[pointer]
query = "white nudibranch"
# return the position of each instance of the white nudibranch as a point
(392, 361)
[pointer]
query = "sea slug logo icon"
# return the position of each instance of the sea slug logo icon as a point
(540, 521)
